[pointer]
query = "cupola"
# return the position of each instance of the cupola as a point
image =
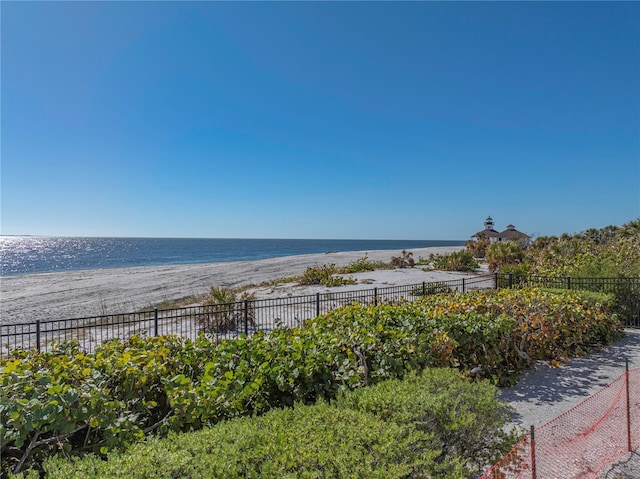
(488, 223)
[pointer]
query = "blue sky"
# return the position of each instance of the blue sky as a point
(380, 120)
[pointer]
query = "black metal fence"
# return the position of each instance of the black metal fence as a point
(232, 319)
(626, 291)
(222, 320)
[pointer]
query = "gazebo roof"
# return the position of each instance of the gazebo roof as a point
(513, 233)
(488, 233)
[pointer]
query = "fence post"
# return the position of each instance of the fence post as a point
(375, 296)
(317, 304)
(626, 380)
(495, 280)
(568, 282)
(463, 285)
(533, 453)
(424, 288)
(38, 335)
(155, 322)
(510, 280)
(246, 317)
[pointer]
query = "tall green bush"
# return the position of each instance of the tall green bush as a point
(76, 402)
(462, 419)
(302, 442)
(478, 247)
(431, 425)
(504, 253)
(456, 261)
(606, 252)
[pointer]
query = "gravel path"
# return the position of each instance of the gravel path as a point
(543, 392)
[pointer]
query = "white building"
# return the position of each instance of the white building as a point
(510, 234)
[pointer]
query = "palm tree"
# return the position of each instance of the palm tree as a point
(630, 229)
(504, 253)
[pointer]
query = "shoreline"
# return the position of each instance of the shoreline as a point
(24, 255)
(86, 293)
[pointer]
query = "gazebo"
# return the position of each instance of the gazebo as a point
(510, 234)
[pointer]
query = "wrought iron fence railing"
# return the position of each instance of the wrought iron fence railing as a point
(224, 320)
(626, 290)
(233, 319)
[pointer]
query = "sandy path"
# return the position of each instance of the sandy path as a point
(543, 392)
(75, 294)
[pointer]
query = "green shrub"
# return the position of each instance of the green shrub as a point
(456, 261)
(516, 269)
(362, 265)
(430, 425)
(324, 275)
(221, 296)
(521, 326)
(303, 442)
(70, 401)
(463, 419)
(478, 247)
(504, 253)
(224, 311)
(250, 376)
(607, 252)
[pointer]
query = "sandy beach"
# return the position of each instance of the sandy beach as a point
(541, 395)
(73, 294)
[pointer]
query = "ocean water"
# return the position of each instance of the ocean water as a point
(39, 254)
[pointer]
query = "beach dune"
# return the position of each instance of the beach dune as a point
(75, 294)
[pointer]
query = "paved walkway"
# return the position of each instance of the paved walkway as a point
(543, 392)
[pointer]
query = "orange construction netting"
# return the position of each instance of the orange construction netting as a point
(583, 440)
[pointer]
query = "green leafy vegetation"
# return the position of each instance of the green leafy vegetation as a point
(428, 425)
(478, 247)
(225, 311)
(305, 442)
(328, 275)
(456, 261)
(362, 265)
(66, 400)
(607, 252)
(505, 253)
(325, 275)
(462, 419)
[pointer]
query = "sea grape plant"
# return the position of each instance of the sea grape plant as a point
(67, 400)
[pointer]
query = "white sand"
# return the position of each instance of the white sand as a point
(76, 294)
(542, 393)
